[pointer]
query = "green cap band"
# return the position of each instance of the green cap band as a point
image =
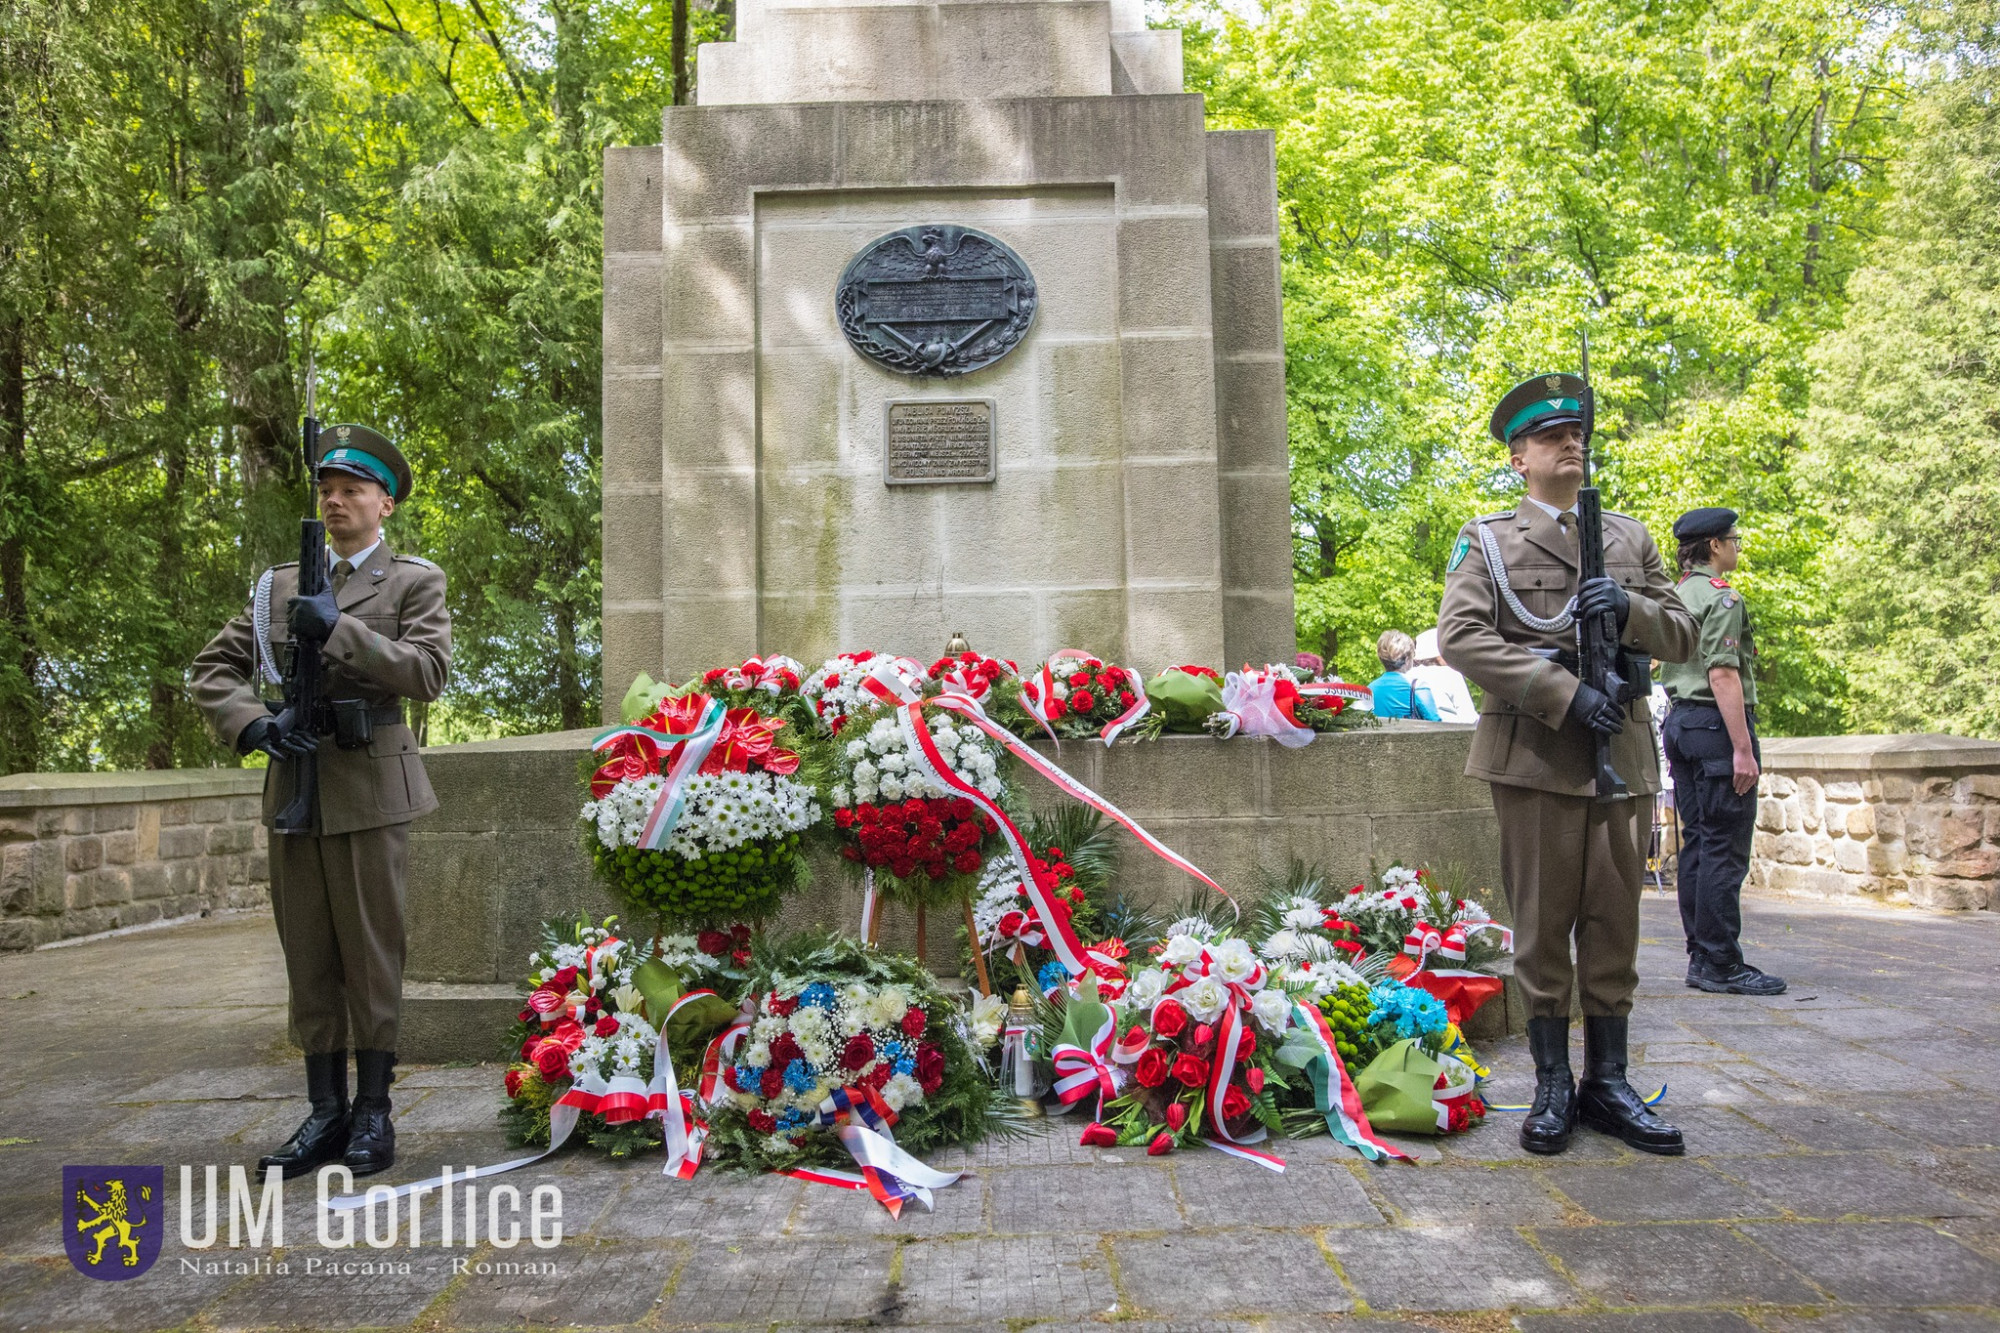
(1541, 407)
(364, 460)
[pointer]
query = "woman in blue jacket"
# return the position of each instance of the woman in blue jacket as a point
(1394, 693)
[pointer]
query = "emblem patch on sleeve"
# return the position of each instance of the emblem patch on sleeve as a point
(1718, 583)
(1458, 554)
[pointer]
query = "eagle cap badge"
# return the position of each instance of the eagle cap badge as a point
(1554, 383)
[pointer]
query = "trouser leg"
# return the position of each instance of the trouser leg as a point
(301, 906)
(1607, 925)
(1720, 825)
(365, 873)
(1687, 805)
(1542, 869)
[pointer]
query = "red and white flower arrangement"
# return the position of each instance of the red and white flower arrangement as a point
(1076, 695)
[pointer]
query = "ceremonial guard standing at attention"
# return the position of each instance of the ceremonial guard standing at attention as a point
(1572, 863)
(382, 634)
(1711, 742)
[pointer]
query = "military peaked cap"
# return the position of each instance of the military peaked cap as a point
(364, 453)
(1696, 524)
(1536, 404)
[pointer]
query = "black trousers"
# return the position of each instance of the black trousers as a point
(1716, 829)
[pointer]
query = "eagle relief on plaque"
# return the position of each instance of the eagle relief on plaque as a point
(935, 300)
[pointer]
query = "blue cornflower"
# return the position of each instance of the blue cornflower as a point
(747, 1075)
(906, 1064)
(799, 1076)
(1052, 975)
(819, 995)
(791, 1119)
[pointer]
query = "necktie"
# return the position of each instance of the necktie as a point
(1567, 522)
(341, 569)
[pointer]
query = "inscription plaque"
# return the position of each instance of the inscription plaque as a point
(934, 441)
(935, 300)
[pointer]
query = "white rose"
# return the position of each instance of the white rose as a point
(1272, 1008)
(1233, 961)
(1205, 999)
(1146, 988)
(1180, 951)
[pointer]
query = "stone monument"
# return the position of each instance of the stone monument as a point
(934, 316)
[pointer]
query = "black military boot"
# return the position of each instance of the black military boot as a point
(1607, 1103)
(322, 1136)
(371, 1139)
(1552, 1117)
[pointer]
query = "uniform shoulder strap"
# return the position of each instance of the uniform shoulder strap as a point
(414, 560)
(1495, 518)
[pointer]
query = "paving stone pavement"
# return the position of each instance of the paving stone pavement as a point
(1843, 1177)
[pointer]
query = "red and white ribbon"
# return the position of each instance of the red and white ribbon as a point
(1080, 1069)
(1045, 684)
(870, 903)
(1269, 1161)
(1117, 726)
(1249, 699)
(893, 680)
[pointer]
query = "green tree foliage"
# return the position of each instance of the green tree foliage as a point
(1906, 418)
(1464, 187)
(194, 193)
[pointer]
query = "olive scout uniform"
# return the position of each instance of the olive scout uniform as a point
(1572, 866)
(337, 893)
(1717, 824)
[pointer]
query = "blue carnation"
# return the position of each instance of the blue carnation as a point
(799, 1076)
(1052, 975)
(791, 1119)
(891, 1050)
(1411, 1010)
(906, 1064)
(747, 1075)
(819, 995)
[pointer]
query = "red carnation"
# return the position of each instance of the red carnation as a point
(1190, 1070)
(740, 957)
(857, 1053)
(1082, 701)
(913, 1022)
(843, 819)
(1077, 679)
(564, 979)
(551, 1061)
(966, 862)
(1176, 1115)
(1098, 1136)
(785, 1049)
(1235, 1103)
(1162, 1144)
(1151, 1071)
(740, 933)
(771, 1084)
(930, 1067)
(606, 1026)
(763, 1122)
(879, 1075)
(1169, 1019)
(1056, 709)
(902, 867)
(1012, 922)
(1127, 698)
(1255, 1078)
(513, 1083)
(783, 1006)
(1076, 897)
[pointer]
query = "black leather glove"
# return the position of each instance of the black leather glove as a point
(312, 618)
(1594, 709)
(277, 737)
(1599, 595)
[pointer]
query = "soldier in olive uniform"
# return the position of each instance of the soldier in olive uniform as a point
(1572, 865)
(337, 892)
(1711, 742)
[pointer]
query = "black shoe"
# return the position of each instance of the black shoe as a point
(371, 1139)
(1606, 1102)
(322, 1136)
(1733, 979)
(1551, 1119)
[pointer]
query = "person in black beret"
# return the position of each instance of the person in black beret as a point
(1710, 738)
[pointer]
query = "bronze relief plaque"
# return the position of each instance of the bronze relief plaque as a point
(935, 300)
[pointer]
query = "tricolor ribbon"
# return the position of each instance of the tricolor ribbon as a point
(1045, 684)
(1269, 1161)
(1333, 1091)
(694, 748)
(1117, 726)
(1228, 1041)
(890, 1175)
(893, 680)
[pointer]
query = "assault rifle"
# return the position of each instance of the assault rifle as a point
(1601, 664)
(305, 682)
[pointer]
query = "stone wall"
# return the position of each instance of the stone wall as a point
(1912, 819)
(504, 851)
(84, 852)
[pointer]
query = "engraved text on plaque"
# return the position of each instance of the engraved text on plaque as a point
(933, 440)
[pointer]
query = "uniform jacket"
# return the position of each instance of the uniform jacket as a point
(1525, 737)
(393, 641)
(1723, 638)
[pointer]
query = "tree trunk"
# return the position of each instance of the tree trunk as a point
(680, 53)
